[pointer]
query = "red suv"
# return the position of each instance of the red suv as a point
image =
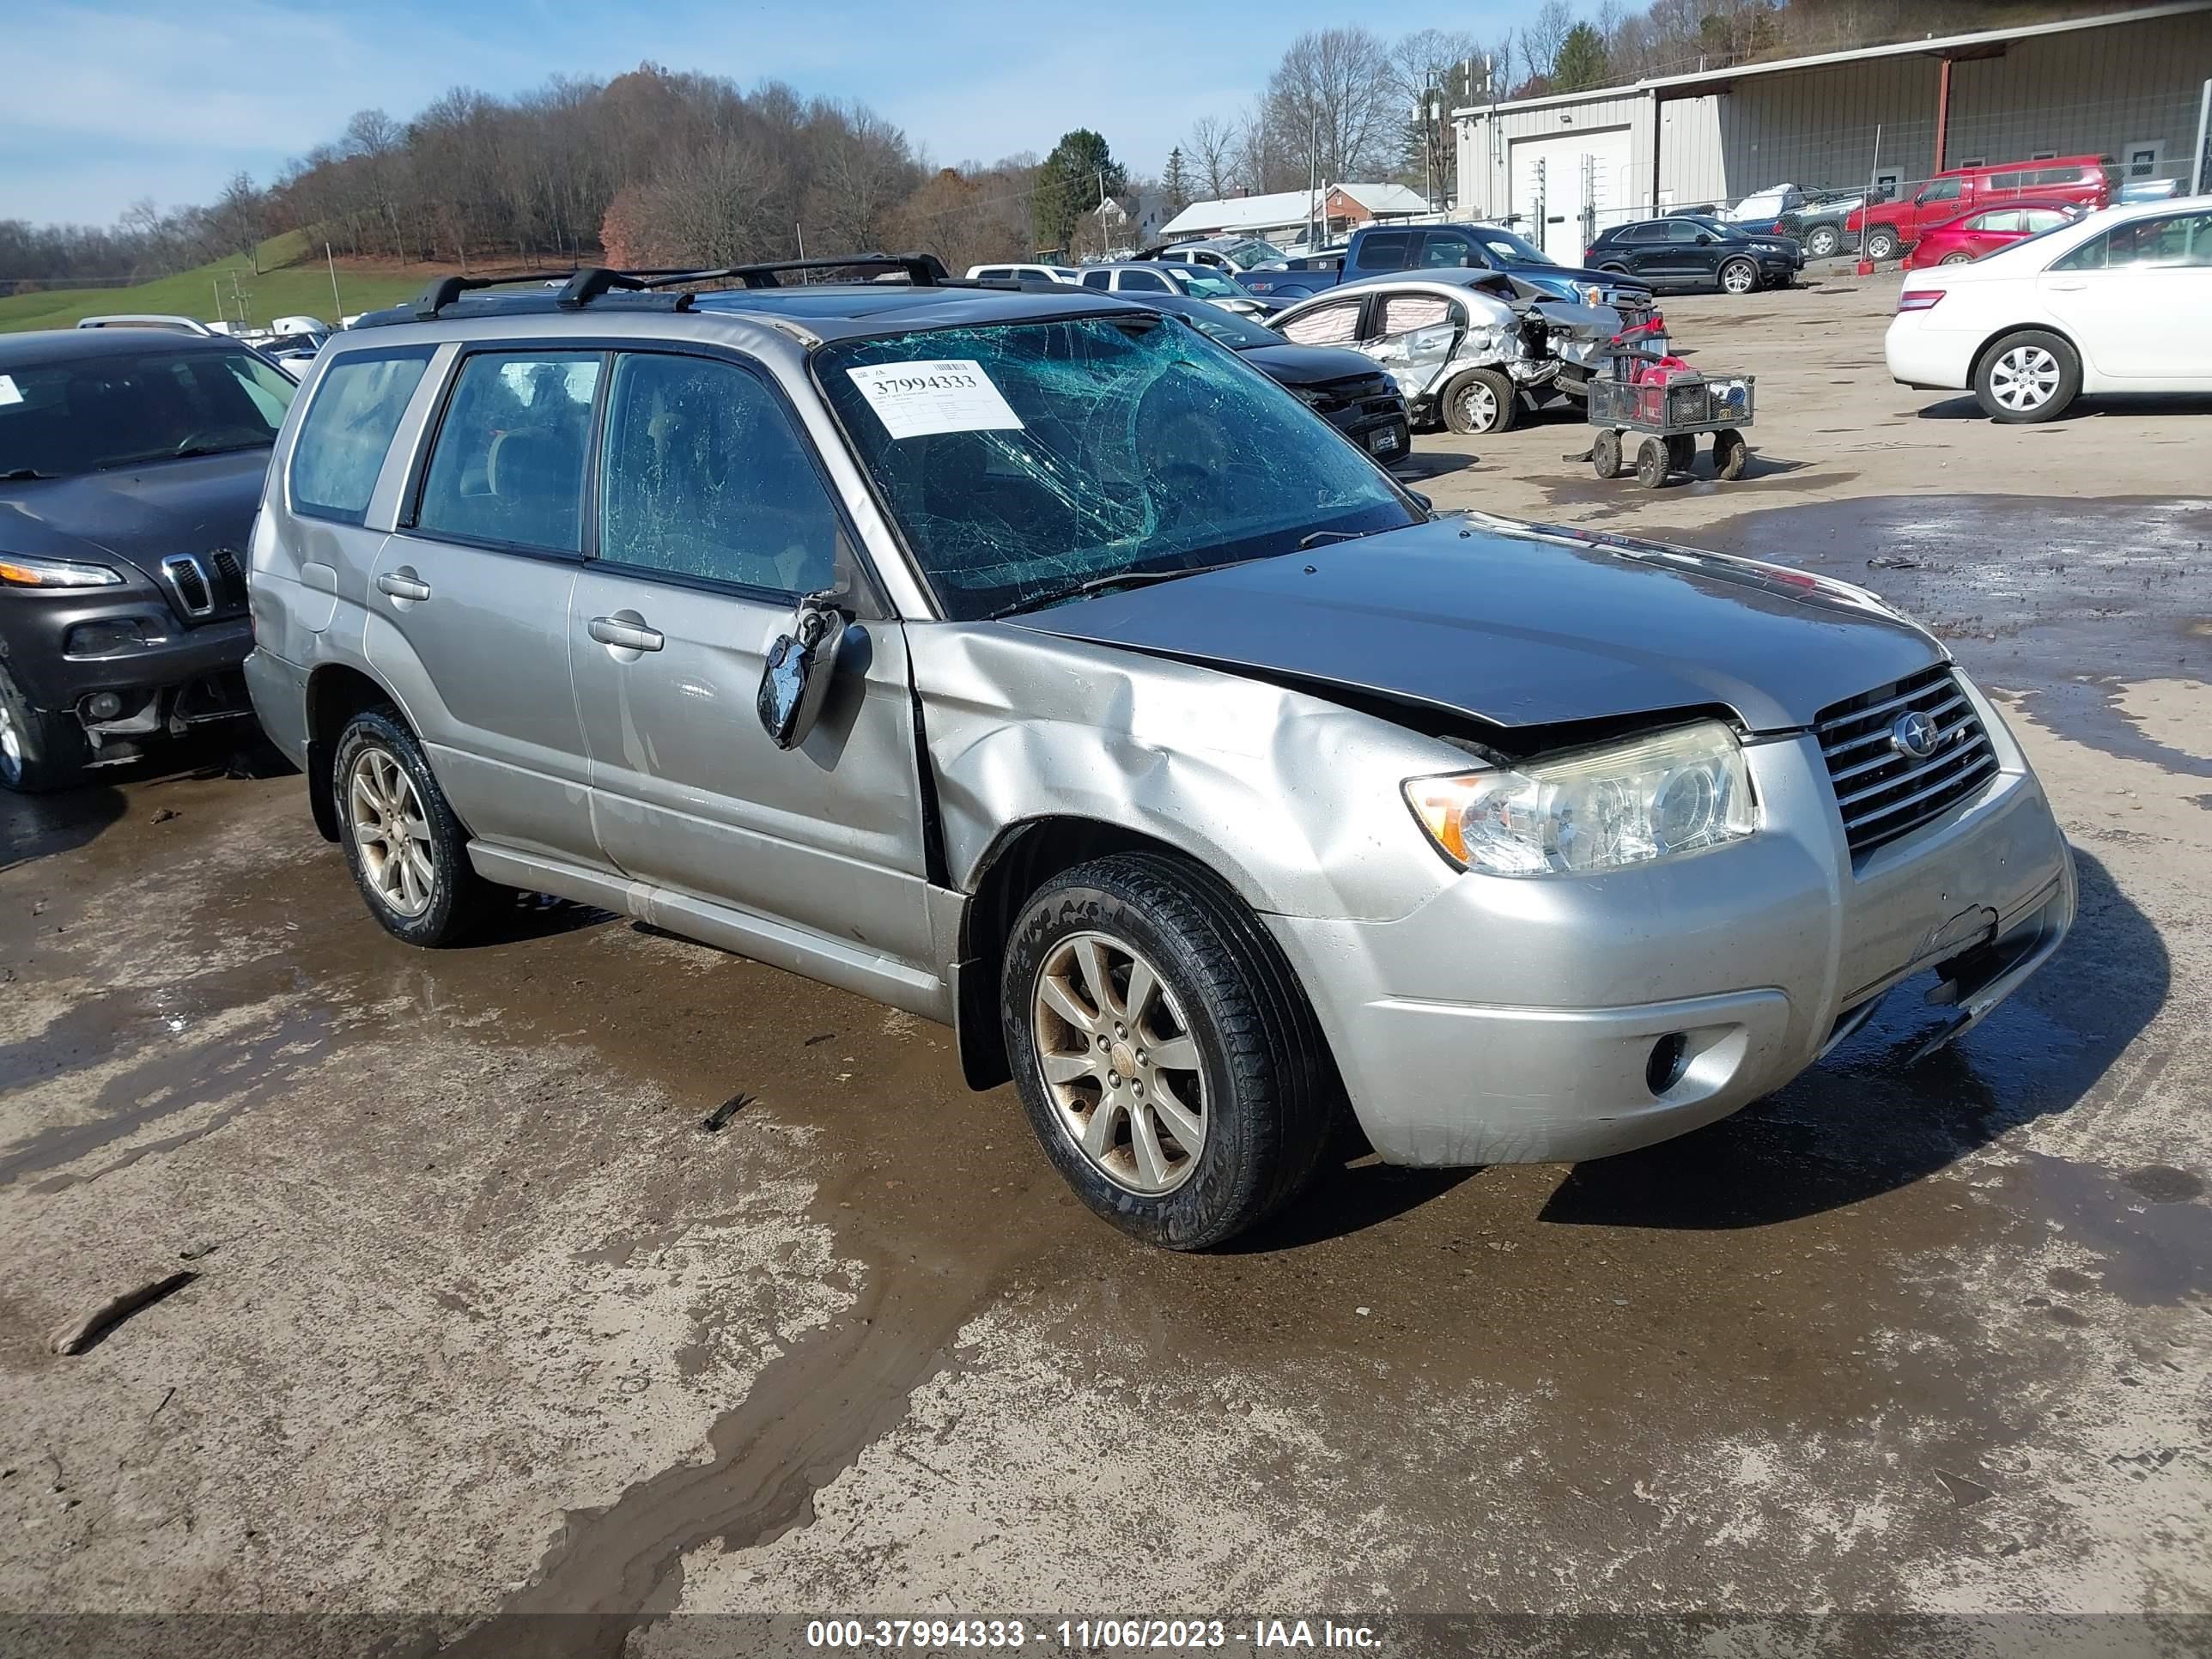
(1887, 226)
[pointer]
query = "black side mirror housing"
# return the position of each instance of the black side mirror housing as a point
(801, 663)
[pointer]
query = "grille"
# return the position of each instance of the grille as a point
(1885, 791)
(187, 576)
(229, 579)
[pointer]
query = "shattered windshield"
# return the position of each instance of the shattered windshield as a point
(1024, 460)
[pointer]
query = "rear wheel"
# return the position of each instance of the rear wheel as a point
(39, 752)
(1739, 276)
(408, 853)
(1956, 259)
(1480, 402)
(1605, 453)
(1731, 454)
(2027, 377)
(1882, 245)
(1823, 242)
(1167, 1059)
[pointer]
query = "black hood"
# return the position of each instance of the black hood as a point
(137, 513)
(1524, 625)
(1297, 365)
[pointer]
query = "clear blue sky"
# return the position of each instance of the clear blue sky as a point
(107, 102)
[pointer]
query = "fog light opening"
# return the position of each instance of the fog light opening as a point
(1670, 1058)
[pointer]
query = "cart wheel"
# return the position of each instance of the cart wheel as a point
(1605, 453)
(1652, 463)
(1681, 450)
(1730, 453)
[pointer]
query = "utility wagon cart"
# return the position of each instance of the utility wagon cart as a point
(1670, 414)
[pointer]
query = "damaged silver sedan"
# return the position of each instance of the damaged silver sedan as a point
(1030, 663)
(1468, 350)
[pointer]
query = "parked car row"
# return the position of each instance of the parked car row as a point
(1696, 251)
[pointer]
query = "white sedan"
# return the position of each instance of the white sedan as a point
(2118, 302)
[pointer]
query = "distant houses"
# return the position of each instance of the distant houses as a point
(1285, 214)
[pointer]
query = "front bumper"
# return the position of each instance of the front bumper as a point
(1516, 1021)
(57, 677)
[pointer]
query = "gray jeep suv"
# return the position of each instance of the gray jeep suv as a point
(1027, 661)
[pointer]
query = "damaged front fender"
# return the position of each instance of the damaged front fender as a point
(1291, 800)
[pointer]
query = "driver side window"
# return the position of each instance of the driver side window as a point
(703, 474)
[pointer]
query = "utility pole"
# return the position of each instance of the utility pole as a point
(337, 305)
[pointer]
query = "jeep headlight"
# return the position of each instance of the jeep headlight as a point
(20, 570)
(1596, 809)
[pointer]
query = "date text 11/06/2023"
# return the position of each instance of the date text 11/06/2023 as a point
(1089, 1635)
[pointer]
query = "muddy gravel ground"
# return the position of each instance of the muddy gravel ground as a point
(485, 1326)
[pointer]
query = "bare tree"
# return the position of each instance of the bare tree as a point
(1543, 36)
(1335, 91)
(1212, 152)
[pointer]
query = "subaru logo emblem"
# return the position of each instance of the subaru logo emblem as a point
(1914, 735)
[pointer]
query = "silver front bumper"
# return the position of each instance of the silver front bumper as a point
(1513, 1021)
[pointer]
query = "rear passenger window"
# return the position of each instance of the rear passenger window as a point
(343, 438)
(1384, 250)
(703, 474)
(509, 467)
(1097, 279)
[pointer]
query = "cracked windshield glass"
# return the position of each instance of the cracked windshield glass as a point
(1028, 462)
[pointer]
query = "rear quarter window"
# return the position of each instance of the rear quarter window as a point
(348, 428)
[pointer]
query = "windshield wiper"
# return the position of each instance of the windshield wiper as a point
(1107, 584)
(1320, 536)
(24, 474)
(186, 453)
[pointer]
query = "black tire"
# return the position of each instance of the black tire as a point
(1681, 452)
(1605, 453)
(2010, 369)
(1882, 245)
(1652, 463)
(1502, 414)
(1956, 259)
(1737, 277)
(1823, 242)
(1731, 454)
(39, 752)
(1271, 1090)
(459, 898)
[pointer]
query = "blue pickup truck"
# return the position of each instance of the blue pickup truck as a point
(1382, 250)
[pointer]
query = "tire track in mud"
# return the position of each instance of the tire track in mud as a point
(809, 1416)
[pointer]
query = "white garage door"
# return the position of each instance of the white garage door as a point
(1568, 186)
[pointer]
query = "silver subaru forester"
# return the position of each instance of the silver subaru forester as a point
(1026, 661)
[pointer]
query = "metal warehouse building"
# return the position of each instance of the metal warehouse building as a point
(2127, 85)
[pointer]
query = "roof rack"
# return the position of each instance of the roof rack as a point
(578, 286)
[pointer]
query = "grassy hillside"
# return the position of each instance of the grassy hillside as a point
(293, 282)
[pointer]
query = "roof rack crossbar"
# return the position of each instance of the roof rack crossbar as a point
(922, 269)
(446, 289)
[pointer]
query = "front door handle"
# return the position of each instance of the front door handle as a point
(403, 584)
(627, 632)
(2068, 288)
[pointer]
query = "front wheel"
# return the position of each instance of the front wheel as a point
(39, 752)
(1605, 453)
(1956, 259)
(1481, 402)
(1165, 1056)
(1652, 456)
(2027, 377)
(1739, 276)
(1731, 454)
(1823, 242)
(408, 853)
(1882, 245)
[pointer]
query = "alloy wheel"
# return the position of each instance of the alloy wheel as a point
(1479, 406)
(11, 745)
(2024, 378)
(391, 833)
(1737, 279)
(1120, 1065)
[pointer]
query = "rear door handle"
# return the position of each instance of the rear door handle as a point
(630, 636)
(403, 584)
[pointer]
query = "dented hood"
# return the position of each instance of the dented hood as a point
(1523, 625)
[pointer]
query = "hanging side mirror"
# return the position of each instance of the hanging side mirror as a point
(801, 663)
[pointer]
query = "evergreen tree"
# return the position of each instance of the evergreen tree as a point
(1175, 182)
(1078, 171)
(1580, 63)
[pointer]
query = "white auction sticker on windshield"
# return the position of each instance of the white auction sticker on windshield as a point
(915, 400)
(8, 392)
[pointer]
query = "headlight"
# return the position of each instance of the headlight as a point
(1675, 792)
(1590, 294)
(17, 571)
